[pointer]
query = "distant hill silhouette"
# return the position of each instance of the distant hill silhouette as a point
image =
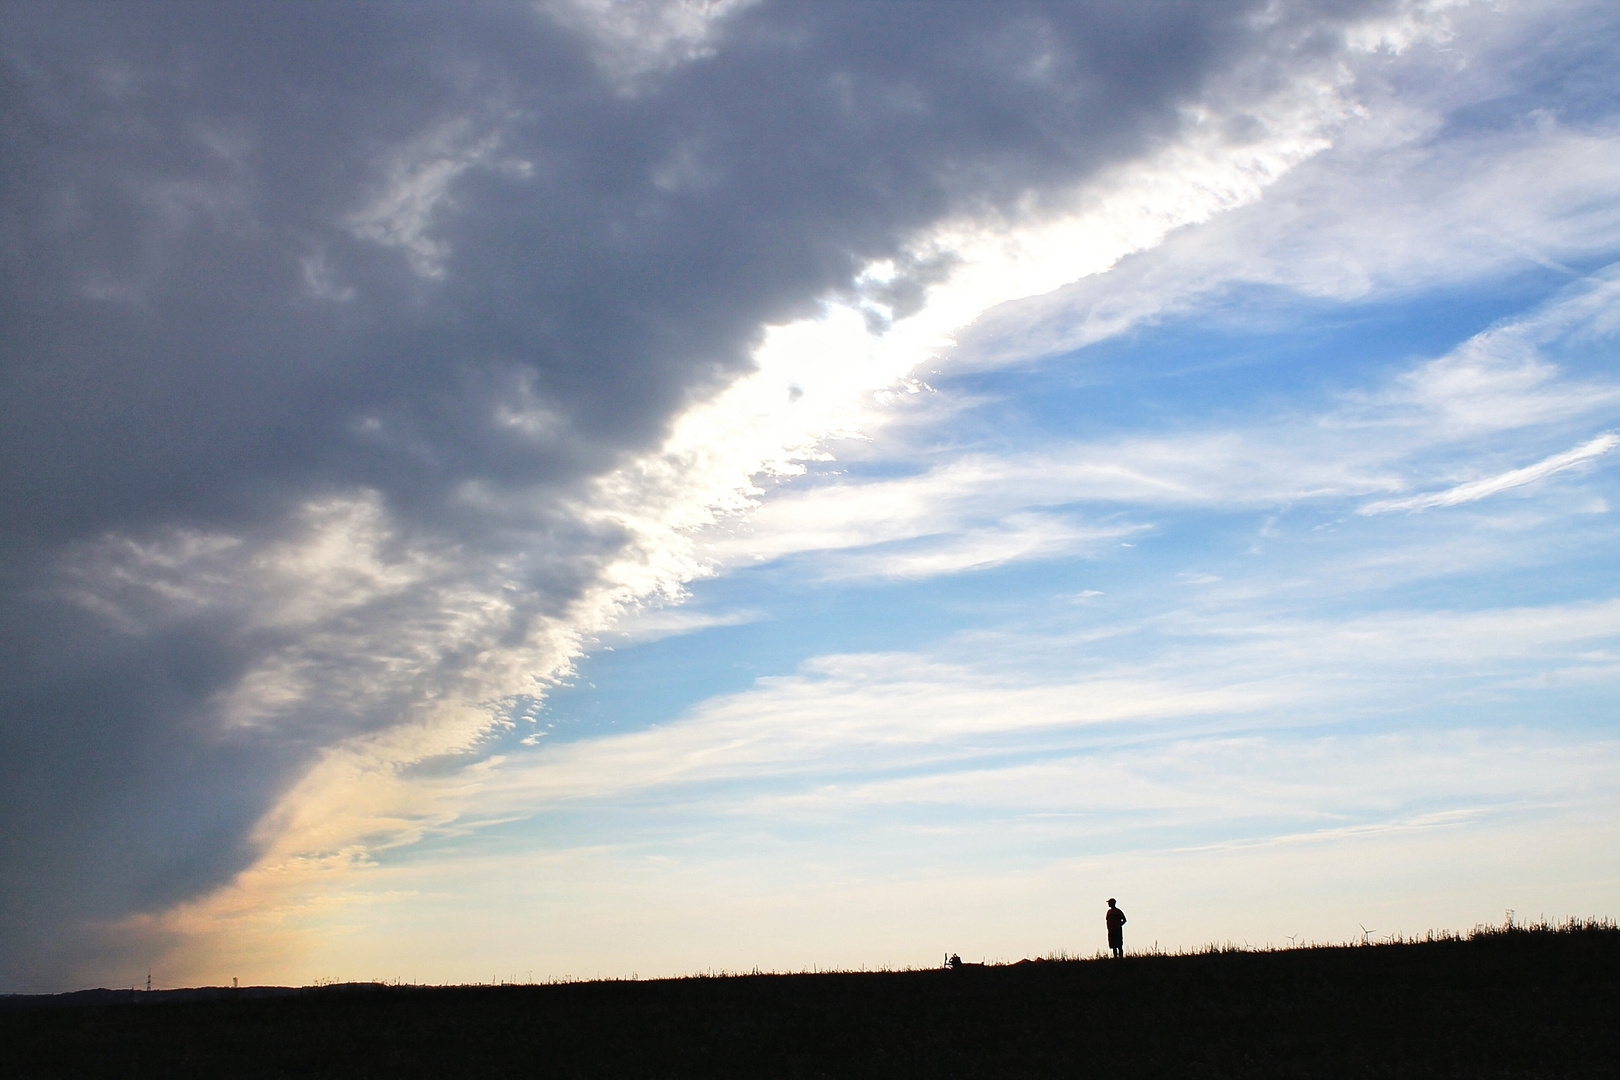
(1519, 1002)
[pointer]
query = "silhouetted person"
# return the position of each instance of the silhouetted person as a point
(1116, 928)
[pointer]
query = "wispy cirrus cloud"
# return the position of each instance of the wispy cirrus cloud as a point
(1484, 488)
(1505, 381)
(1017, 538)
(998, 696)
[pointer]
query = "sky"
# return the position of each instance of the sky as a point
(622, 488)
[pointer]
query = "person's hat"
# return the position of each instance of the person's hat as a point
(1110, 899)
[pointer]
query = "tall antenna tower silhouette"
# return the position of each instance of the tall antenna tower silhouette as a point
(148, 980)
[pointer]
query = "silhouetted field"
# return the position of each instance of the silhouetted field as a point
(1523, 1003)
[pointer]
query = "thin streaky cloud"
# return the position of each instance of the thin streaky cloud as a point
(1475, 490)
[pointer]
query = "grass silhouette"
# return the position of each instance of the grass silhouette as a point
(1512, 1001)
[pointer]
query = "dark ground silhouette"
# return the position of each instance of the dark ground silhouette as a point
(1519, 1003)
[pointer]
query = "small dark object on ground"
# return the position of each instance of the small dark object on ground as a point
(1519, 1003)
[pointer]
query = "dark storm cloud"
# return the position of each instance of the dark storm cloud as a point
(446, 262)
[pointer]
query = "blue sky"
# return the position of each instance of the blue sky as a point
(677, 487)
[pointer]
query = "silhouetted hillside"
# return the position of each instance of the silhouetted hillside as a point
(1522, 1003)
